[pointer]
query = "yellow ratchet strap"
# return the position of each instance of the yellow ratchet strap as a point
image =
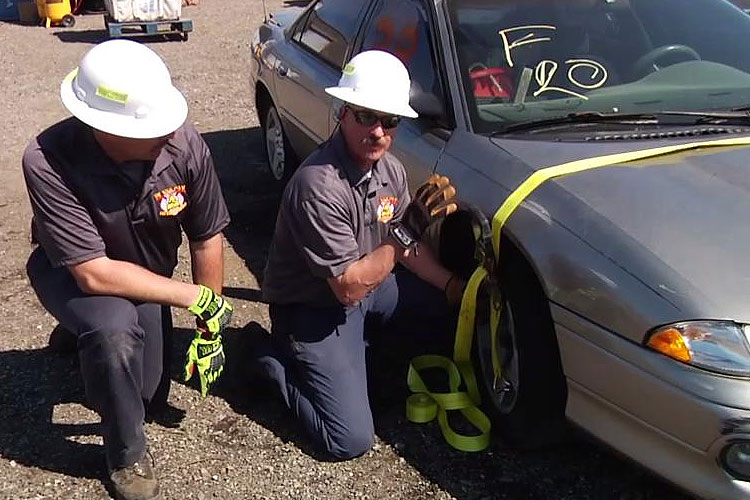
(424, 405)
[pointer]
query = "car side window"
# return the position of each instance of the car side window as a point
(330, 28)
(401, 27)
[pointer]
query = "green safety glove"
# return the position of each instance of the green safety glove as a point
(212, 309)
(207, 356)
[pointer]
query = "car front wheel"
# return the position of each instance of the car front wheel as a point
(528, 399)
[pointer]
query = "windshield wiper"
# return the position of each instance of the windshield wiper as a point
(660, 117)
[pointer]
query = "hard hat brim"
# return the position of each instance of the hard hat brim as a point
(375, 103)
(170, 115)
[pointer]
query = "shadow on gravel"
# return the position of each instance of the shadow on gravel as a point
(250, 194)
(95, 36)
(246, 392)
(36, 383)
(83, 36)
(578, 468)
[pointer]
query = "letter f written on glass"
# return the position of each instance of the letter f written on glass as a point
(529, 37)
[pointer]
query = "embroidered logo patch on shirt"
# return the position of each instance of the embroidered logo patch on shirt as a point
(171, 200)
(387, 208)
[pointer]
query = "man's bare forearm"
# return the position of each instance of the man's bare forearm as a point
(424, 264)
(367, 273)
(105, 276)
(207, 262)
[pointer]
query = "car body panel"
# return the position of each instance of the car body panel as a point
(642, 219)
(671, 208)
(661, 422)
(419, 148)
(303, 104)
(297, 81)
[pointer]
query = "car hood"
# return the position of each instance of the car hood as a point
(679, 223)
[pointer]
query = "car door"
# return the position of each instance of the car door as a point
(405, 28)
(319, 44)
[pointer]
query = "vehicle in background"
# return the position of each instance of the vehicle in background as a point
(626, 289)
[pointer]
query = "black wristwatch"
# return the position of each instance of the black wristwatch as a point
(402, 236)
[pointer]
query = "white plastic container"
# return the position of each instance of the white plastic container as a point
(123, 11)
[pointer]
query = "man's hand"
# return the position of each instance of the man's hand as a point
(435, 198)
(207, 355)
(212, 309)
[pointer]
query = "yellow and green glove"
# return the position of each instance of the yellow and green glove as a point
(206, 352)
(207, 356)
(212, 310)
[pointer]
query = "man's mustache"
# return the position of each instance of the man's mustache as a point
(375, 141)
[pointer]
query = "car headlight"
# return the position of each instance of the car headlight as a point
(719, 346)
(736, 459)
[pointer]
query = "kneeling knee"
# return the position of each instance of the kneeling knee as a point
(351, 445)
(116, 335)
(111, 324)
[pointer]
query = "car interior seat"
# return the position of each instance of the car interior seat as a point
(615, 35)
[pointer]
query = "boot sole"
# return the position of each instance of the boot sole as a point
(158, 496)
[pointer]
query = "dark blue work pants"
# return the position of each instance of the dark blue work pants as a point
(123, 348)
(319, 360)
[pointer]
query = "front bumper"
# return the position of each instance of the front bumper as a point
(632, 399)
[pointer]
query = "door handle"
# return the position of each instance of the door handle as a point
(282, 70)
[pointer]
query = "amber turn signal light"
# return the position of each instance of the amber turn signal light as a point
(670, 342)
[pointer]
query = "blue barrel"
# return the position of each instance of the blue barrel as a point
(8, 10)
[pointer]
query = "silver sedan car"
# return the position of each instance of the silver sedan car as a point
(626, 288)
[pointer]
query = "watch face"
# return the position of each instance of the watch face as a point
(402, 236)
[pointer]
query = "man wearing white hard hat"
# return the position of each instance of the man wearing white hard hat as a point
(111, 189)
(346, 219)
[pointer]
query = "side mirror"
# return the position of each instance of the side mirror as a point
(426, 104)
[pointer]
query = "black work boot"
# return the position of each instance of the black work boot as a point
(137, 481)
(62, 341)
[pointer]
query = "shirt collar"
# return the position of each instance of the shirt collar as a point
(98, 163)
(94, 159)
(353, 172)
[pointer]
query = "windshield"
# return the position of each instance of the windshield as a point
(523, 60)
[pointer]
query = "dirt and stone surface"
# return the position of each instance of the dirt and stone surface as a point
(239, 442)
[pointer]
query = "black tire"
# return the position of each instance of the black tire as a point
(279, 155)
(528, 402)
(68, 21)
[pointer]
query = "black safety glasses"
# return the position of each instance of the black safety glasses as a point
(368, 118)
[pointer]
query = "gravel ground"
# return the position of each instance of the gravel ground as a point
(239, 442)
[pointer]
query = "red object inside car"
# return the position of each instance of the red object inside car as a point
(491, 82)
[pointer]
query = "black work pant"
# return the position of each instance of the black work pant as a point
(318, 358)
(122, 354)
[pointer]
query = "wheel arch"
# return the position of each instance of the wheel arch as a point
(520, 283)
(460, 235)
(263, 100)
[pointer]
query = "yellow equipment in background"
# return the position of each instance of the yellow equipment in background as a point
(57, 12)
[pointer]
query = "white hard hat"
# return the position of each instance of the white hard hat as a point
(375, 80)
(123, 88)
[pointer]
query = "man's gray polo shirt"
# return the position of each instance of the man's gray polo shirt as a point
(332, 214)
(85, 206)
